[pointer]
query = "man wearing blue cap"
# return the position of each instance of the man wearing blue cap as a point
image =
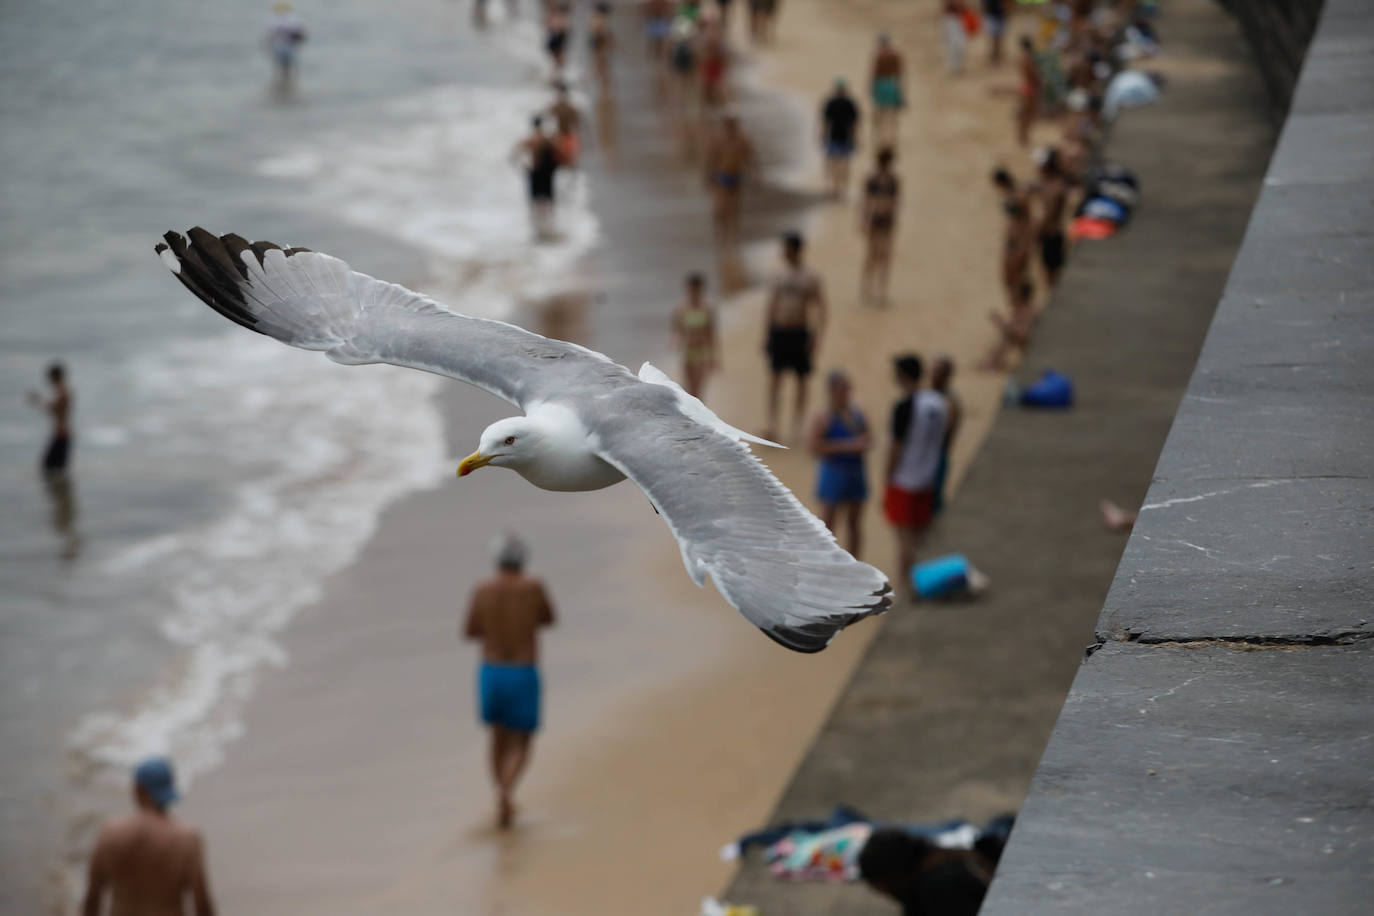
(148, 862)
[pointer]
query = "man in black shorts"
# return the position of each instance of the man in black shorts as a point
(796, 320)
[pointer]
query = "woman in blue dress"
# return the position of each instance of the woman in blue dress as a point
(839, 438)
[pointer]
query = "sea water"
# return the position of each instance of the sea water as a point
(219, 477)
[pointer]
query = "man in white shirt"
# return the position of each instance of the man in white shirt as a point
(919, 421)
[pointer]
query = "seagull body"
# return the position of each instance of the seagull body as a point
(588, 423)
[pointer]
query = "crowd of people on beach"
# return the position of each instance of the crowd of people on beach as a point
(1069, 67)
(1073, 65)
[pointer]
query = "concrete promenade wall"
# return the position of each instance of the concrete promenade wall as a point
(1216, 751)
(1278, 32)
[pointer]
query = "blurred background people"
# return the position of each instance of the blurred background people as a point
(839, 439)
(285, 35)
(694, 332)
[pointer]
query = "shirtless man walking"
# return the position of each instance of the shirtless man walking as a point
(505, 614)
(148, 863)
(796, 320)
(729, 157)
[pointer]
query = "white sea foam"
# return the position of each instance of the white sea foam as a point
(444, 181)
(318, 450)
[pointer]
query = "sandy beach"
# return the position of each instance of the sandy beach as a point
(672, 724)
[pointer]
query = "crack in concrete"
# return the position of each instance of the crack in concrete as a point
(1291, 642)
(1164, 504)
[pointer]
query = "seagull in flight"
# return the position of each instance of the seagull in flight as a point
(588, 423)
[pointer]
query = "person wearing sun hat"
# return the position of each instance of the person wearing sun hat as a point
(148, 862)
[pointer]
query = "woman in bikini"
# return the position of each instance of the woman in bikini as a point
(694, 328)
(882, 192)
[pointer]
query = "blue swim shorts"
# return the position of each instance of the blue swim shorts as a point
(509, 696)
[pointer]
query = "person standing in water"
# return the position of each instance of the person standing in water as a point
(796, 321)
(540, 158)
(567, 121)
(694, 329)
(602, 42)
(839, 438)
(557, 24)
(728, 159)
(148, 863)
(882, 197)
(58, 453)
(505, 615)
(839, 127)
(285, 35)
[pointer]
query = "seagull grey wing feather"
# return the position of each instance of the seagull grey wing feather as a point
(769, 556)
(314, 301)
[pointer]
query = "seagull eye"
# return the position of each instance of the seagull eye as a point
(510, 440)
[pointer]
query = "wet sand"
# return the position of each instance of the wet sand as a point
(671, 724)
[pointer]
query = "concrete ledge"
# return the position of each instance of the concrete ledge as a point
(1214, 752)
(1219, 780)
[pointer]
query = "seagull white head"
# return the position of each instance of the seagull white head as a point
(508, 443)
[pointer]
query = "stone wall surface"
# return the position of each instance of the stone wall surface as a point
(1278, 32)
(1214, 752)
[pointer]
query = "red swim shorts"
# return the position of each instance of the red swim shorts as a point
(906, 509)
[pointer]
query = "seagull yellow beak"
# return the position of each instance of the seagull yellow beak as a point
(472, 462)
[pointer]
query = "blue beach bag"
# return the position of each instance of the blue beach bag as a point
(1052, 389)
(941, 577)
